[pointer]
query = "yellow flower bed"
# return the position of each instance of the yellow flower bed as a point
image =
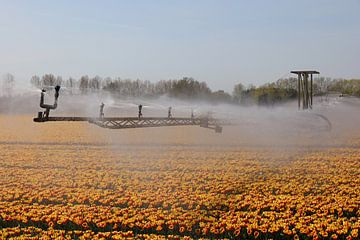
(91, 191)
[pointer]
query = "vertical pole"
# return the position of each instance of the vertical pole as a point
(299, 78)
(303, 91)
(311, 90)
(306, 81)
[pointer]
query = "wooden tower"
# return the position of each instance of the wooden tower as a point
(305, 88)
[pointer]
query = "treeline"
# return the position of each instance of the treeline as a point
(286, 89)
(185, 88)
(188, 88)
(348, 87)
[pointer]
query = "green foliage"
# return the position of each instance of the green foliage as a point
(188, 87)
(286, 89)
(268, 94)
(348, 87)
(220, 96)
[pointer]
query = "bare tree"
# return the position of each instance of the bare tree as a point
(35, 81)
(238, 92)
(8, 84)
(58, 80)
(95, 83)
(70, 83)
(48, 80)
(84, 84)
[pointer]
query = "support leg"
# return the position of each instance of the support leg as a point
(299, 92)
(311, 90)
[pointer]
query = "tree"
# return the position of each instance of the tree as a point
(84, 84)
(58, 81)
(189, 88)
(35, 81)
(95, 83)
(8, 84)
(287, 83)
(70, 83)
(238, 92)
(221, 96)
(48, 80)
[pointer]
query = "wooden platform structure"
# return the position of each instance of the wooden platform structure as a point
(305, 88)
(134, 122)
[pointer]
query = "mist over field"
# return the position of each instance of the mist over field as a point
(279, 125)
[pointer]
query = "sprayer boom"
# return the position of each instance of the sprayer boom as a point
(129, 122)
(134, 122)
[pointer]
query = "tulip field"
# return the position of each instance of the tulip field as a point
(76, 181)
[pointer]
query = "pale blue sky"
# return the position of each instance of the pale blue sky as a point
(221, 42)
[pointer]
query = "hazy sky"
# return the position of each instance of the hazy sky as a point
(221, 42)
